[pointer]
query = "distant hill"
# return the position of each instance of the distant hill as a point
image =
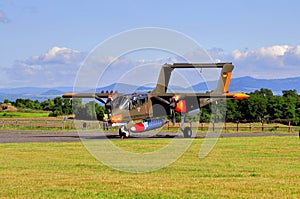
(243, 84)
(33, 90)
(124, 88)
(249, 84)
(53, 92)
(33, 93)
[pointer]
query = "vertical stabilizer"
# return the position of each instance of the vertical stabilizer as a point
(225, 78)
(163, 79)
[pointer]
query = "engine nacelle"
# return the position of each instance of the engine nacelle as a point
(180, 106)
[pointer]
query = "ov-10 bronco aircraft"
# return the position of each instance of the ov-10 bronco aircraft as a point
(154, 106)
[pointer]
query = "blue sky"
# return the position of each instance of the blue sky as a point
(260, 37)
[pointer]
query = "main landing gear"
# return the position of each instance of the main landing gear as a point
(187, 131)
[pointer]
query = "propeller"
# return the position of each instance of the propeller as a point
(175, 99)
(173, 104)
(107, 103)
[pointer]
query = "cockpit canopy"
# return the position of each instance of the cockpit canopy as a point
(129, 101)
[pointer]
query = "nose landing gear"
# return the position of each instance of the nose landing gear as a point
(124, 132)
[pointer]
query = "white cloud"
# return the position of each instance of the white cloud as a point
(57, 55)
(57, 67)
(60, 66)
(271, 52)
(292, 57)
(278, 61)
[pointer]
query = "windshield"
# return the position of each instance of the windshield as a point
(121, 102)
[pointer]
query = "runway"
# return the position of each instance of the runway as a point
(21, 136)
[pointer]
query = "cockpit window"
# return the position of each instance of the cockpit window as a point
(143, 98)
(121, 102)
(137, 100)
(131, 101)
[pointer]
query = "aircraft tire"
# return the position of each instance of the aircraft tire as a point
(123, 132)
(187, 132)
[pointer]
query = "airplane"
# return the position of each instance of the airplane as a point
(153, 107)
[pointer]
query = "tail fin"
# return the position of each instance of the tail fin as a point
(166, 70)
(225, 77)
(163, 79)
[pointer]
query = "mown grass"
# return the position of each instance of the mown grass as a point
(23, 114)
(253, 167)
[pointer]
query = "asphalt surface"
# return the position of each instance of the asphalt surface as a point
(20, 136)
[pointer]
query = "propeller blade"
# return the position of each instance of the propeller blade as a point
(100, 99)
(162, 100)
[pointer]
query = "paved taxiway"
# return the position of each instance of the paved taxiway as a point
(18, 136)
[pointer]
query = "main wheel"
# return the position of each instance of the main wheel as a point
(187, 132)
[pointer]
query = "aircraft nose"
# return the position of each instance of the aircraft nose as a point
(116, 118)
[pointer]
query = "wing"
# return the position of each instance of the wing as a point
(97, 96)
(193, 101)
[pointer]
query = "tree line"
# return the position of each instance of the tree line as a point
(263, 105)
(61, 106)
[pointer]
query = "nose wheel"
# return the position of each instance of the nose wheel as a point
(123, 132)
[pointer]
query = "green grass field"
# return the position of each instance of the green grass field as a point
(253, 167)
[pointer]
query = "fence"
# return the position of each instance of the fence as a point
(238, 127)
(48, 123)
(199, 127)
(35, 124)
